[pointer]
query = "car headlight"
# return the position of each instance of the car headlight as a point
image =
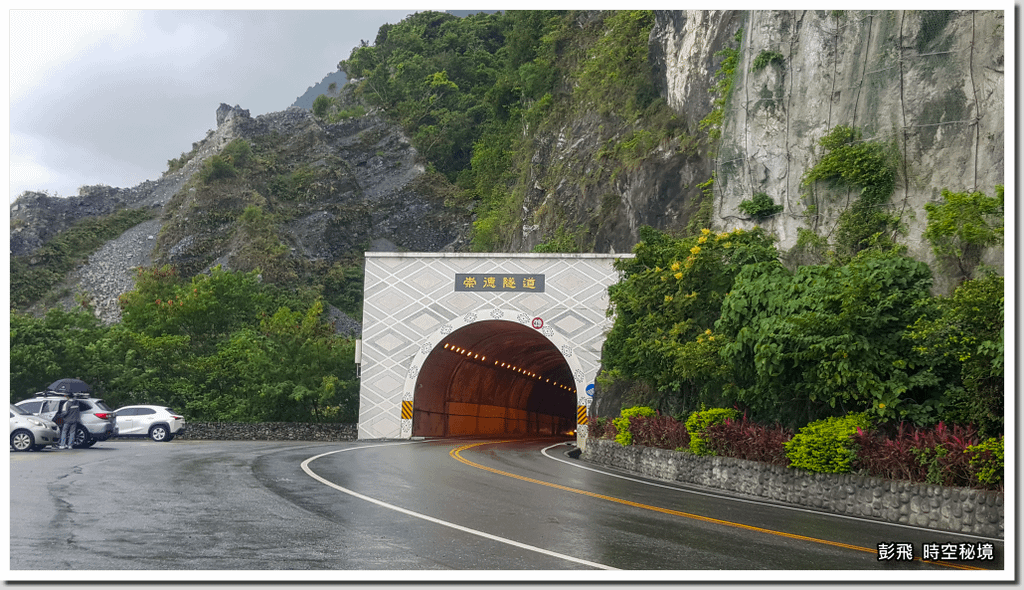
(35, 422)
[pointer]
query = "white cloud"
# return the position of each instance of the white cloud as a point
(107, 97)
(44, 42)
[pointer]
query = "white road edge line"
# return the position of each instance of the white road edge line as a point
(311, 473)
(735, 499)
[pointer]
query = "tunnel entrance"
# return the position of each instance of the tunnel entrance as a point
(494, 378)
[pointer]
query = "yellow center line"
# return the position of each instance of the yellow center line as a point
(456, 454)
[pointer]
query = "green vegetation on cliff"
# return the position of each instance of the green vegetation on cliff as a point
(476, 93)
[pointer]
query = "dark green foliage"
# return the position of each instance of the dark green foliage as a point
(868, 167)
(827, 340)
(237, 153)
(473, 94)
(761, 207)
(49, 348)
(34, 275)
(216, 167)
(962, 226)
(826, 446)
(320, 105)
(343, 287)
(962, 339)
(220, 347)
(614, 76)
(766, 58)
(665, 309)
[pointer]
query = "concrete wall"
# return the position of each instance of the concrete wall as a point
(962, 510)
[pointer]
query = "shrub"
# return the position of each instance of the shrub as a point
(938, 454)
(743, 439)
(826, 446)
(700, 420)
(890, 457)
(663, 432)
(761, 207)
(237, 153)
(986, 459)
(320, 105)
(623, 435)
(216, 167)
(766, 58)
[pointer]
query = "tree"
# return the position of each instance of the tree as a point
(962, 226)
(962, 337)
(290, 368)
(828, 340)
(49, 348)
(665, 309)
(320, 105)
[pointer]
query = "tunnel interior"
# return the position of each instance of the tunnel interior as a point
(494, 378)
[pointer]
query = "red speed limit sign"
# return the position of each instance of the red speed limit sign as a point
(538, 323)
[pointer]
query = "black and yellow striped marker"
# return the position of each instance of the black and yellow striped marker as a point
(407, 410)
(581, 414)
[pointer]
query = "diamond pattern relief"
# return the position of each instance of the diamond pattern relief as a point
(571, 323)
(426, 322)
(386, 383)
(390, 342)
(428, 280)
(409, 302)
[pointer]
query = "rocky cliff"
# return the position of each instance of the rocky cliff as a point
(929, 83)
(329, 191)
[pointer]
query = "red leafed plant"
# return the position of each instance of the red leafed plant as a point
(933, 455)
(601, 428)
(743, 439)
(663, 432)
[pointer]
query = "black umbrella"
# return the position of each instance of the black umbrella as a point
(70, 386)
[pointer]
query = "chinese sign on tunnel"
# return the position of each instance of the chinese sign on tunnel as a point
(499, 282)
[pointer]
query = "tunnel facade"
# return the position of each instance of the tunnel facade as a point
(481, 344)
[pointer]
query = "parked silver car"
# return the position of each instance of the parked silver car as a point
(159, 423)
(31, 433)
(97, 419)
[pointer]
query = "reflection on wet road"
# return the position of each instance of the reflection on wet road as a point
(427, 510)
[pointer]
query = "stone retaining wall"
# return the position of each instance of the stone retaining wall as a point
(267, 431)
(963, 510)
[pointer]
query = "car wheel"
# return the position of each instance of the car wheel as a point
(82, 438)
(159, 433)
(22, 440)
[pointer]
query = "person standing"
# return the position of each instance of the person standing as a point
(70, 413)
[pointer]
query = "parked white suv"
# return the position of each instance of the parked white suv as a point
(159, 423)
(31, 433)
(96, 418)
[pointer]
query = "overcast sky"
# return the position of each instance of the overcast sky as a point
(107, 97)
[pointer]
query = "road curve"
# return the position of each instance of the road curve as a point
(427, 509)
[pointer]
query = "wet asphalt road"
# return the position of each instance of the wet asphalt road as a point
(430, 506)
